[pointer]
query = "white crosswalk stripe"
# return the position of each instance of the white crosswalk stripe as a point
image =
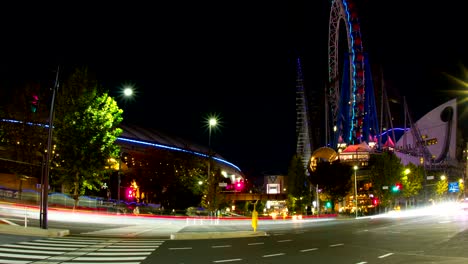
(79, 250)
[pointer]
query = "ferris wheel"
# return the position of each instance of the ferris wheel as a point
(351, 102)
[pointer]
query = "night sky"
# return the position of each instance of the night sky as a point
(236, 60)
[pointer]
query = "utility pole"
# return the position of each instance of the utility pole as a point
(45, 176)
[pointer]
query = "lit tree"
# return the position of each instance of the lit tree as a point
(385, 170)
(412, 180)
(441, 187)
(86, 127)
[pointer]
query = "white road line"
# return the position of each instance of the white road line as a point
(31, 251)
(125, 249)
(224, 246)
(21, 256)
(114, 246)
(286, 240)
(59, 242)
(253, 244)
(273, 255)
(226, 260)
(386, 255)
(309, 249)
(180, 248)
(363, 262)
(52, 245)
(118, 254)
(336, 245)
(4, 261)
(34, 247)
(108, 258)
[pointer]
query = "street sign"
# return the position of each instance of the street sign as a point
(430, 177)
(385, 187)
(453, 187)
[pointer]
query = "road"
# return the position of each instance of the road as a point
(440, 238)
(423, 239)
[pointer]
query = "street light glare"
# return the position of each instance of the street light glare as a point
(213, 122)
(128, 92)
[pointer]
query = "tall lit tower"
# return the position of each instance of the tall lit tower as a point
(303, 132)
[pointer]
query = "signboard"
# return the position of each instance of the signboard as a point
(453, 187)
(222, 184)
(430, 177)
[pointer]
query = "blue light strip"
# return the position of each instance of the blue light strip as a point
(145, 143)
(354, 72)
(175, 149)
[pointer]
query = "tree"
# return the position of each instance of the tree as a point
(333, 178)
(86, 127)
(412, 179)
(297, 185)
(441, 188)
(385, 171)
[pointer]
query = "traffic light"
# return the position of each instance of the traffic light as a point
(397, 187)
(34, 103)
(375, 201)
(328, 204)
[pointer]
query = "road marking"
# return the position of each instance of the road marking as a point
(386, 255)
(286, 240)
(253, 244)
(336, 245)
(363, 262)
(225, 246)
(273, 255)
(226, 260)
(309, 249)
(180, 248)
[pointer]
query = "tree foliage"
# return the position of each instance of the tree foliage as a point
(412, 181)
(334, 179)
(441, 188)
(85, 129)
(297, 184)
(385, 170)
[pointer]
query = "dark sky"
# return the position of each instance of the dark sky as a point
(235, 60)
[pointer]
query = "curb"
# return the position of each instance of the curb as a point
(32, 231)
(213, 235)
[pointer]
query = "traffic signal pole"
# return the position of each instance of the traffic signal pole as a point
(45, 176)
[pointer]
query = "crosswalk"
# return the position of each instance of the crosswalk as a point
(79, 250)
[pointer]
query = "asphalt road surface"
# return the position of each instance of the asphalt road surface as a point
(424, 239)
(410, 239)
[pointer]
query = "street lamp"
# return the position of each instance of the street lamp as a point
(355, 188)
(127, 92)
(45, 175)
(212, 122)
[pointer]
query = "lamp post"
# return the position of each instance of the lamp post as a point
(127, 92)
(355, 189)
(212, 122)
(45, 175)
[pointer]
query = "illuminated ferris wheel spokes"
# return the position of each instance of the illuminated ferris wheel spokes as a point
(348, 120)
